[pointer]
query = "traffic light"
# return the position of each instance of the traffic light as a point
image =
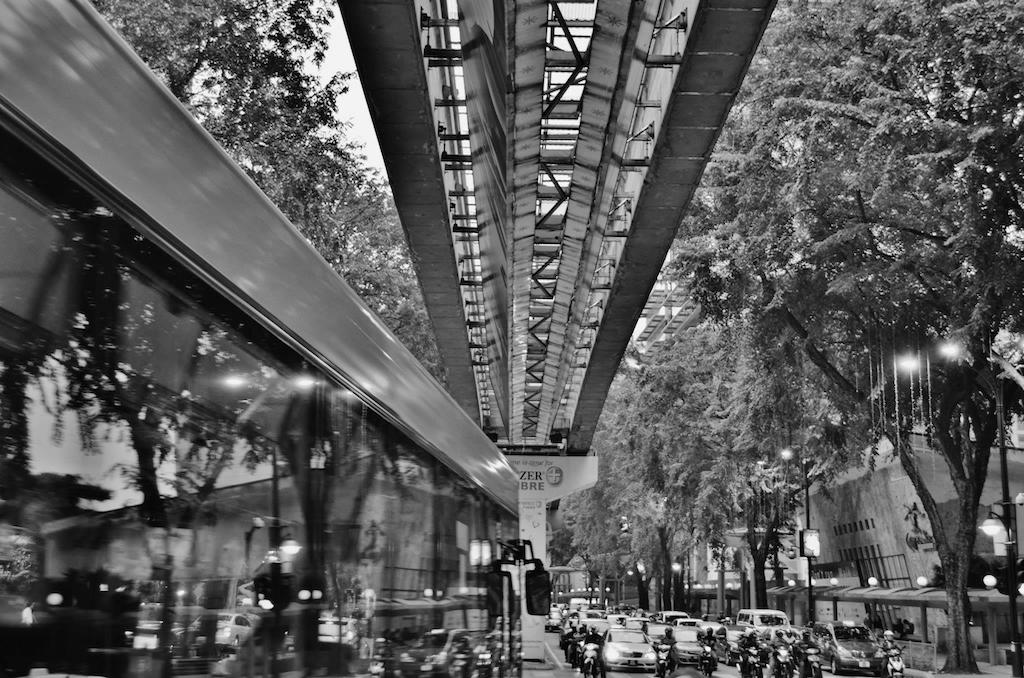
(273, 589)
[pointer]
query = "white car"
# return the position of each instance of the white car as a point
(628, 649)
(234, 629)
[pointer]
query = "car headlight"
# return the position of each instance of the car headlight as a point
(612, 654)
(649, 655)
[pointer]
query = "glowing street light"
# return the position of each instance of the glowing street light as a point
(922, 581)
(908, 363)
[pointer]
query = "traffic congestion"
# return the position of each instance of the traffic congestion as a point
(758, 643)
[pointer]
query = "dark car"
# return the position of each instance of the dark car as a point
(688, 645)
(727, 648)
(432, 653)
(848, 646)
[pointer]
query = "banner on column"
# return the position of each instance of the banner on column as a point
(548, 478)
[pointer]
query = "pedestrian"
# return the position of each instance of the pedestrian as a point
(28, 618)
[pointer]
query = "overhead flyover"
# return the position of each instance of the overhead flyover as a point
(542, 154)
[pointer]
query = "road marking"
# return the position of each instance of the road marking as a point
(554, 655)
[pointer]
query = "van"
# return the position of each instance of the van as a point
(762, 619)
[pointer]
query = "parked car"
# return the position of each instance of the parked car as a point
(848, 646)
(628, 648)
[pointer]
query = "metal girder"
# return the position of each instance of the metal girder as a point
(722, 39)
(589, 125)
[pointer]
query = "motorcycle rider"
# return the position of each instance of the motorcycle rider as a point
(594, 637)
(747, 641)
(666, 638)
(800, 647)
(888, 640)
(573, 648)
(776, 641)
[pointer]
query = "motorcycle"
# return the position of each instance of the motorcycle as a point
(810, 662)
(384, 663)
(661, 654)
(708, 663)
(591, 660)
(894, 663)
(574, 652)
(751, 664)
(783, 663)
(461, 665)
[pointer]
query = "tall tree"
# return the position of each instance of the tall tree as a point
(866, 205)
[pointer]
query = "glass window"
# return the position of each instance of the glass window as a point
(860, 633)
(192, 482)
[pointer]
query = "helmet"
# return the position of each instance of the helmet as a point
(889, 634)
(806, 634)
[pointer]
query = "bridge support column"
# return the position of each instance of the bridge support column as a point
(544, 479)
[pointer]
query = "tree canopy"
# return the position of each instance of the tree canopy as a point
(858, 242)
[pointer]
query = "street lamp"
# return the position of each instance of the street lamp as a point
(809, 540)
(992, 525)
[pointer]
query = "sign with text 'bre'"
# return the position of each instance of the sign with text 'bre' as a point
(549, 478)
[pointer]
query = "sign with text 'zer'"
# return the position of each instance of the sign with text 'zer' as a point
(549, 478)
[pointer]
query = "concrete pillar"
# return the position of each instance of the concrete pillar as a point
(543, 479)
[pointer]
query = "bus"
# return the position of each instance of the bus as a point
(269, 455)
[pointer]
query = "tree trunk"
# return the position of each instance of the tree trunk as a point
(643, 600)
(961, 652)
(760, 585)
(954, 543)
(666, 568)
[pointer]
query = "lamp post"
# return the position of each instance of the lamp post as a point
(1005, 520)
(805, 547)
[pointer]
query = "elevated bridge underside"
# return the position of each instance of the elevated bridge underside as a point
(541, 155)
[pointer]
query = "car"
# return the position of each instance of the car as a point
(669, 616)
(656, 630)
(727, 648)
(234, 629)
(628, 649)
(762, 619)
(429, 656)
(688, 645)
(849, 646)
(686, 622)
(637, 623)
(593, 614)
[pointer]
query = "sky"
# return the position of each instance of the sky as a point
(352, 105)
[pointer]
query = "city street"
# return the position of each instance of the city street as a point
(563, 670)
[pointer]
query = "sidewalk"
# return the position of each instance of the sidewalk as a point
(997, 670)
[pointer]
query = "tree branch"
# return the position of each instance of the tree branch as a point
(820, 359)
